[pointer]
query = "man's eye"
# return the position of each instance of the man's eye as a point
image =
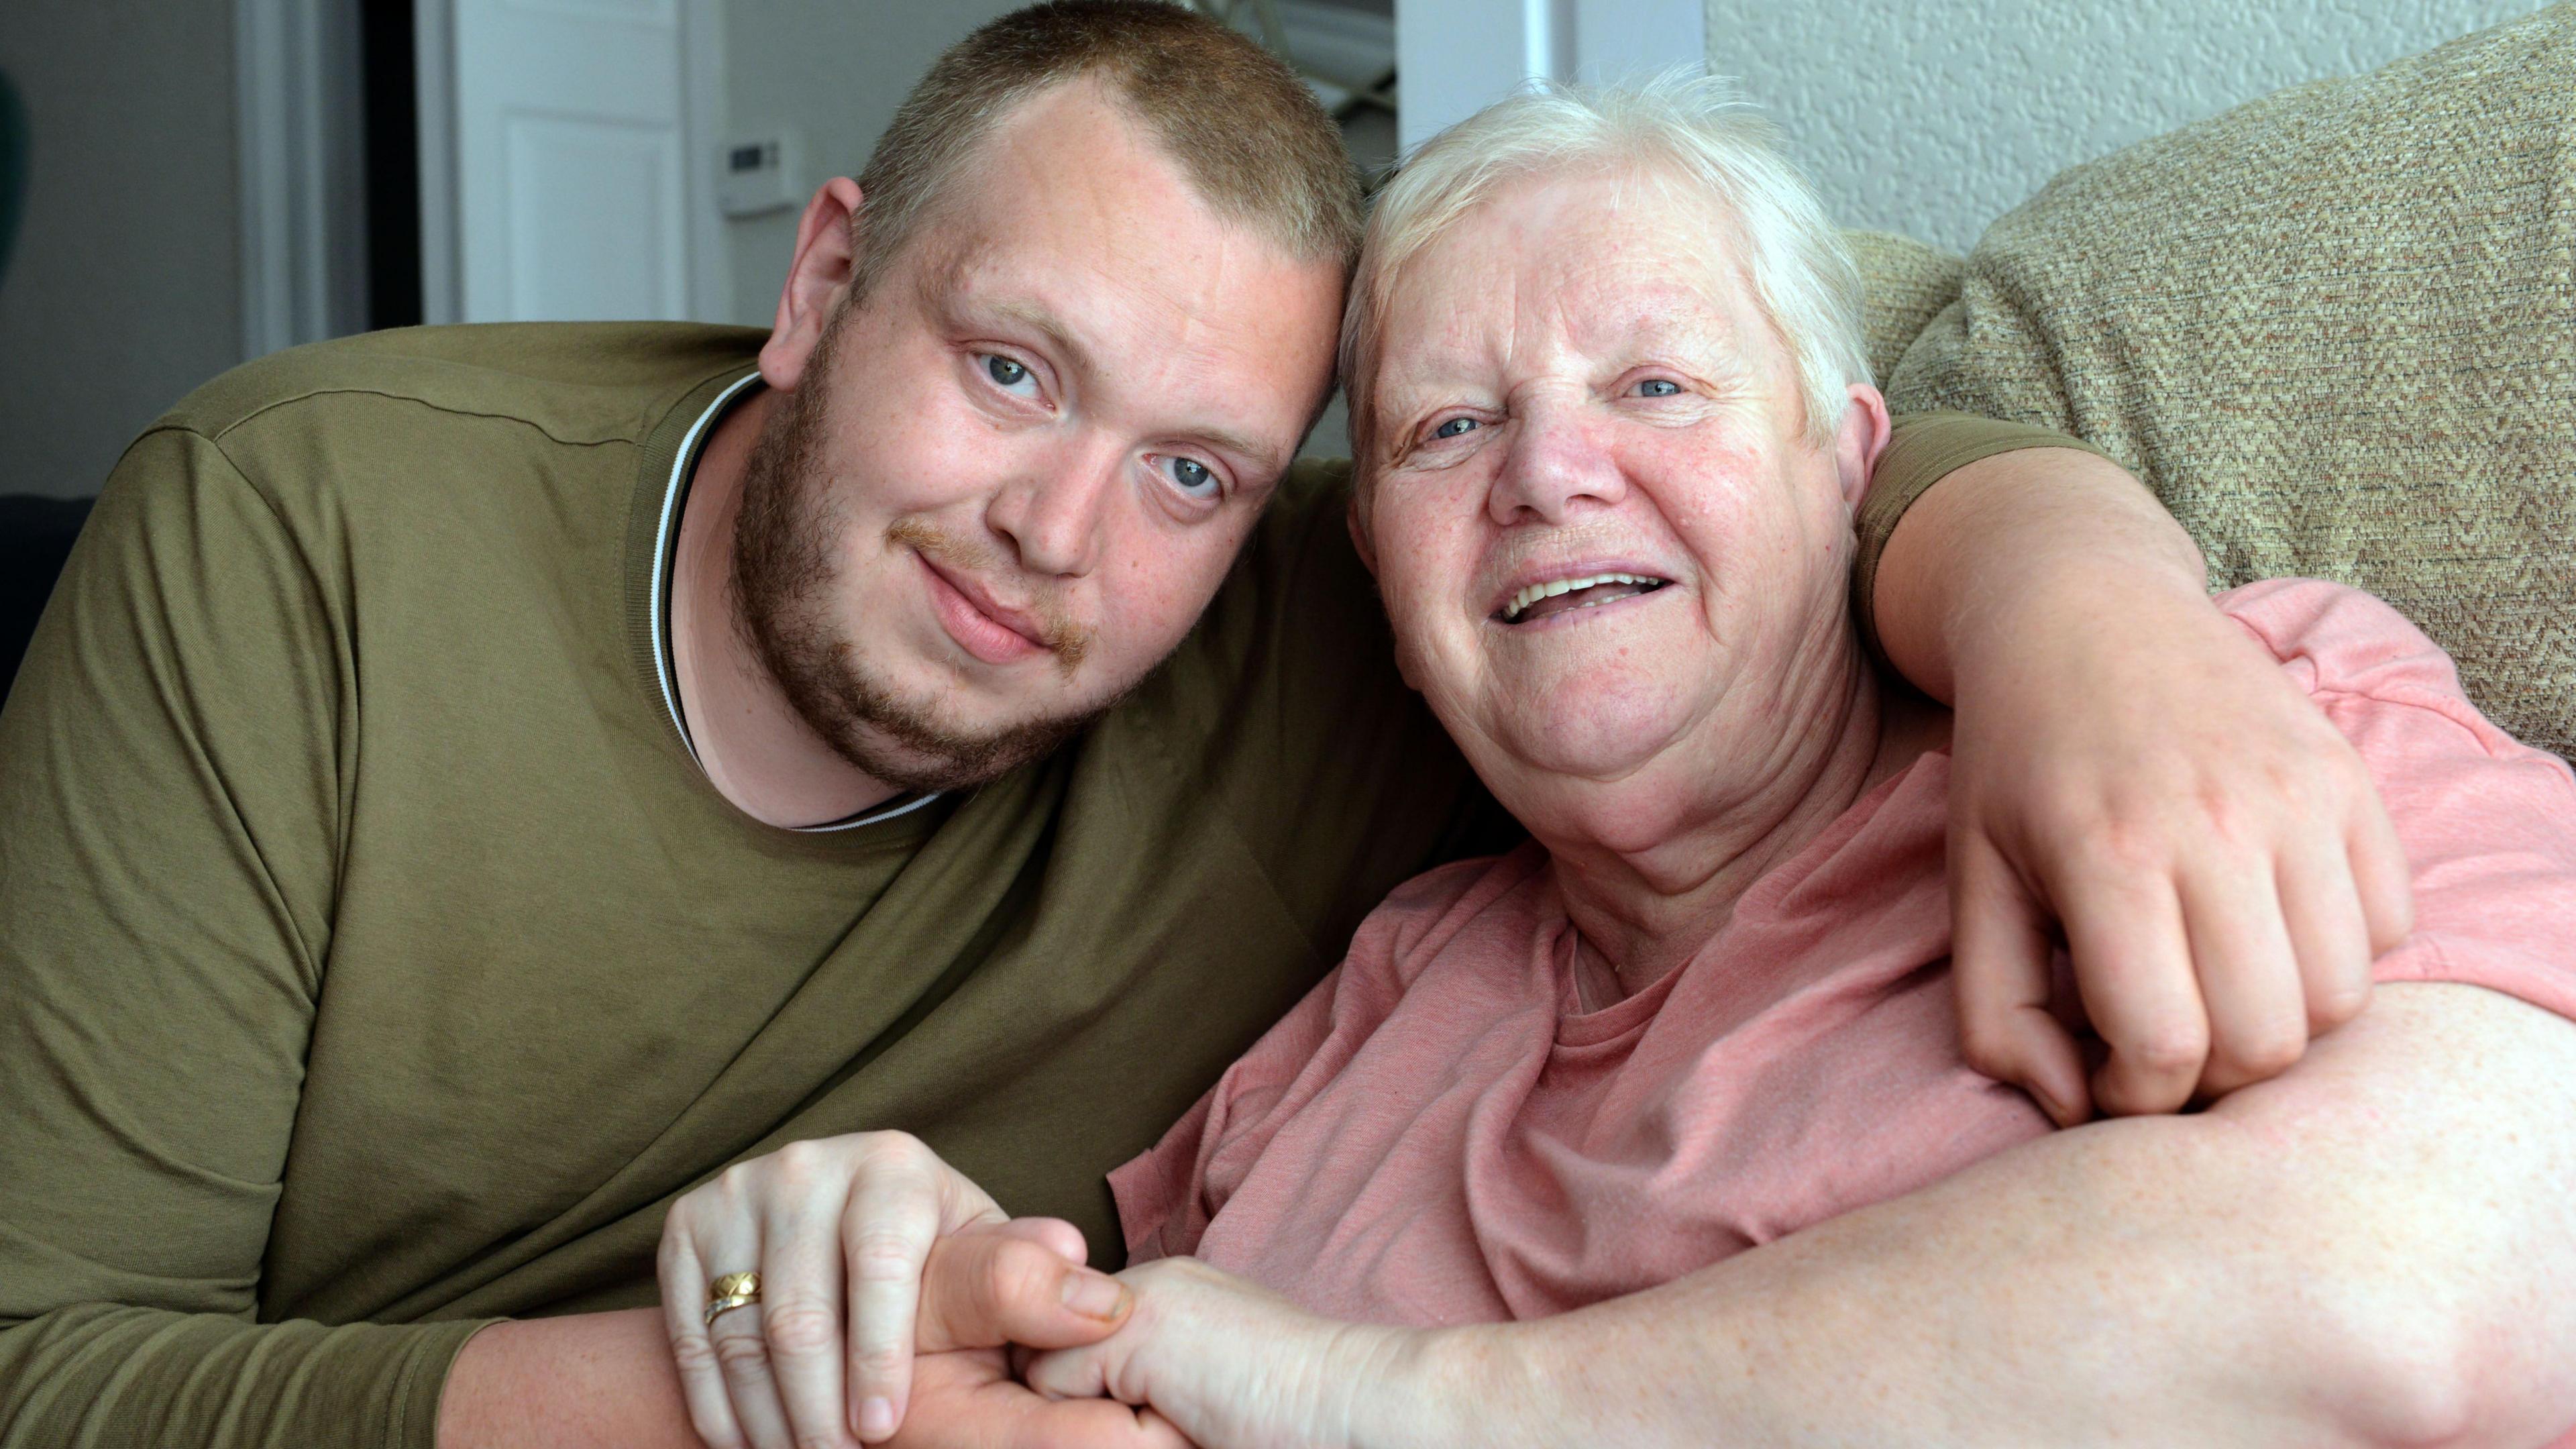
(1455, 428)
(1192, 477)
(1658, 387)
(1006, 374)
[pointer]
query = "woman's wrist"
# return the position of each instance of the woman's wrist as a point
(1412, 1387)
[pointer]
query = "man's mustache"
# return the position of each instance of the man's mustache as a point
(1057, 631)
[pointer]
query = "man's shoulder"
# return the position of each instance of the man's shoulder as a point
(576, 383)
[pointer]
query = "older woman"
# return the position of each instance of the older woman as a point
(1607, 478)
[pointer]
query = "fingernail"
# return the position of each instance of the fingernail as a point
(2055, 1106)
(1094, 1295)
(876, 1419)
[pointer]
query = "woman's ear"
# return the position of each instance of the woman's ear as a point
(826, 259)
(1362, 541)
(1859, 442)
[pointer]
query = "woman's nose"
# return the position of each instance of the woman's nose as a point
(1555, 463)
(1055, 514)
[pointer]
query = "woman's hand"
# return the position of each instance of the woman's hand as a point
(840, 1230)
(1230, 1364)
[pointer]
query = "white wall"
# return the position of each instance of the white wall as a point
(1933, 117)
(1455, 57)
(124, 290)
(835, 70)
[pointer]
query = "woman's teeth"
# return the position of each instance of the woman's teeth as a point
(1521, 602)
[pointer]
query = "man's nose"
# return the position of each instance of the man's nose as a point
(1055, 514)
(1555, 461)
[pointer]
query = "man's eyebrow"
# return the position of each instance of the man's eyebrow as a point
(1229, 441)
(1046, 324)
(952, 296)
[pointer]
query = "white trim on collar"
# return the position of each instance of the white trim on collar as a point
(666, 538)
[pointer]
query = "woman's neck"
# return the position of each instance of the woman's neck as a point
(1643, 910)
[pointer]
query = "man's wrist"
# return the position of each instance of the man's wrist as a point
(2071, 599)
(2013, 538)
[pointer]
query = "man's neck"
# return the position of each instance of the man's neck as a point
(759, 752)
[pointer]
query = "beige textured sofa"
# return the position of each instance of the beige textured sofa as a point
(2334, 329)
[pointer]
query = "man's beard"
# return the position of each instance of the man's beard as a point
(785, 584)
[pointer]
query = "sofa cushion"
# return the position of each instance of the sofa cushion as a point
(2335, 329)
(1905, 284)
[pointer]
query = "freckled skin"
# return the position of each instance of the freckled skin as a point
(1183, 323)
(1545, 319)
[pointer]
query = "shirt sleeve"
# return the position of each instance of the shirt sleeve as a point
(1167, 1198)
(2488, 823)
(1923, 449)
(170, 809)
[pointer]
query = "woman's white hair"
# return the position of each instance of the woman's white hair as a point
(1681, 128)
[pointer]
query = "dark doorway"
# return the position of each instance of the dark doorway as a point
(388, 81)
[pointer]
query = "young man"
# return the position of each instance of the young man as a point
(474, 784)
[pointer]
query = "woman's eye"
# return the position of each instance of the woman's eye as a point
(1008, 375)
(1191, 476)
(1455, 428)
(1658, 387)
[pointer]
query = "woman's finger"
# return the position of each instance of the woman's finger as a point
(2000, 955)
(684, 1304)
(2250, 983)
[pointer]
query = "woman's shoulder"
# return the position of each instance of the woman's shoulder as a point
(2335, 639)
(1512, 893)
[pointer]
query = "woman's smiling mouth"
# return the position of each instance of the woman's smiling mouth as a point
(1539, 601)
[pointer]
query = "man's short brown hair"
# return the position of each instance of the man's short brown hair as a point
(1239, 123)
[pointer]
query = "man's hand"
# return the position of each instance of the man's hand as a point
(841, 1230)
(2133, 769)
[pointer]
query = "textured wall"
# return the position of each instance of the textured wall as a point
(1933, 117)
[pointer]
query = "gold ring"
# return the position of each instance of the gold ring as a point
(732, 1291)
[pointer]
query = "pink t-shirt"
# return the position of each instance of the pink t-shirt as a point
(1440, 1134)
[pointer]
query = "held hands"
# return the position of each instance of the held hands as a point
(1234, 1366)
(1161, 1357)
(931, 1264)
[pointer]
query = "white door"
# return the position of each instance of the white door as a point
(579, 191)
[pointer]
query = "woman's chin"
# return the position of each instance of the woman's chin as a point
(1587, 747)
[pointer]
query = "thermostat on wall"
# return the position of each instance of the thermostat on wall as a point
(758, 174)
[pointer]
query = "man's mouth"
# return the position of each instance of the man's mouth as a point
(1590, 591)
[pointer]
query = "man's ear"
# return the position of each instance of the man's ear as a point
(826, 259)
(1859, 442)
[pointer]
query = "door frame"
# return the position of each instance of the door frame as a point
(300, 127)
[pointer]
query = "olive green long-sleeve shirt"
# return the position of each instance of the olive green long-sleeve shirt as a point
(375, 961)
